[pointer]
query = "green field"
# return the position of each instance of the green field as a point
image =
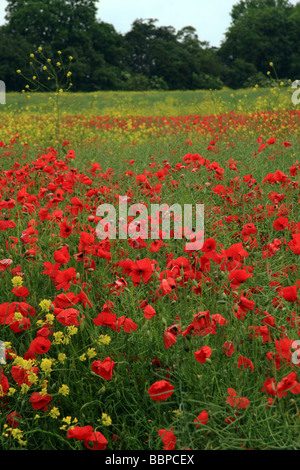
(83, 352)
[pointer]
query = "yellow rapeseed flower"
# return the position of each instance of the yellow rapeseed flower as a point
(45, 305)
(18, 316)
(62, 357)
(17, 281)
(91, 352)
(54, 412)
(104, 339)
(106, 420)
(72, 330)
(46, 365)
(64, 390)
(58, 337)
(67, 420)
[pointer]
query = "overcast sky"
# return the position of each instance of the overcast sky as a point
(210, 18)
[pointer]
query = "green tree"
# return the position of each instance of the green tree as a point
(260, 33)
(178, 58)
(60, 23)
(14, 53)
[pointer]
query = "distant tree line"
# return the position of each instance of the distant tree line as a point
(151, 56)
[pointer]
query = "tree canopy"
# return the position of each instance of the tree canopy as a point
(151, 56)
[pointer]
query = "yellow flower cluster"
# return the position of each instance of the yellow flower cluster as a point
(17, 281)
(45, 305)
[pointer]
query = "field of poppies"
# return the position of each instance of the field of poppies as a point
(142, 344)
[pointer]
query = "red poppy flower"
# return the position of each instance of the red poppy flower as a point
(287, 384)
(103, 368)
(68, 317)
(294, 244)
(235, 401)
(12, 419)
(168, 438)
(65, 229)
(281, 223)
(4, 384)
(141, 270)
(244, 362)
(149, 312)
(5, 224)
(203, 354)
(228, 348)
(96, 441)
(4, 264)
(40, 345)
(129, 325)
(62, 256)
(40, 401)
(289, 293)
(21, 375)
(106, 319)
(64, 278)
(202, 418)
(161, 390)
(21, 292)
(80, 433)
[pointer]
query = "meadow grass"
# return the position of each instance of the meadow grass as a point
(150, 159)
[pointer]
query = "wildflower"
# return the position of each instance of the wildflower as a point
(104, 339)
(168, 438)
(18, 316)
(54, 412)
(62, 357)
(45, 305)
(40, 401)
(106, 420)
(39, 345)
(67, 419)
(49, 319)
(58, 337)
(235, 401)
(17, 281)
(202, 418)
(104, 368)
(203, 354)
(12, 419)
(64, 390)
(72, 330)
(4, 385)
(46, 366)
(161, 390)
(18, 435)
(244, 362)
